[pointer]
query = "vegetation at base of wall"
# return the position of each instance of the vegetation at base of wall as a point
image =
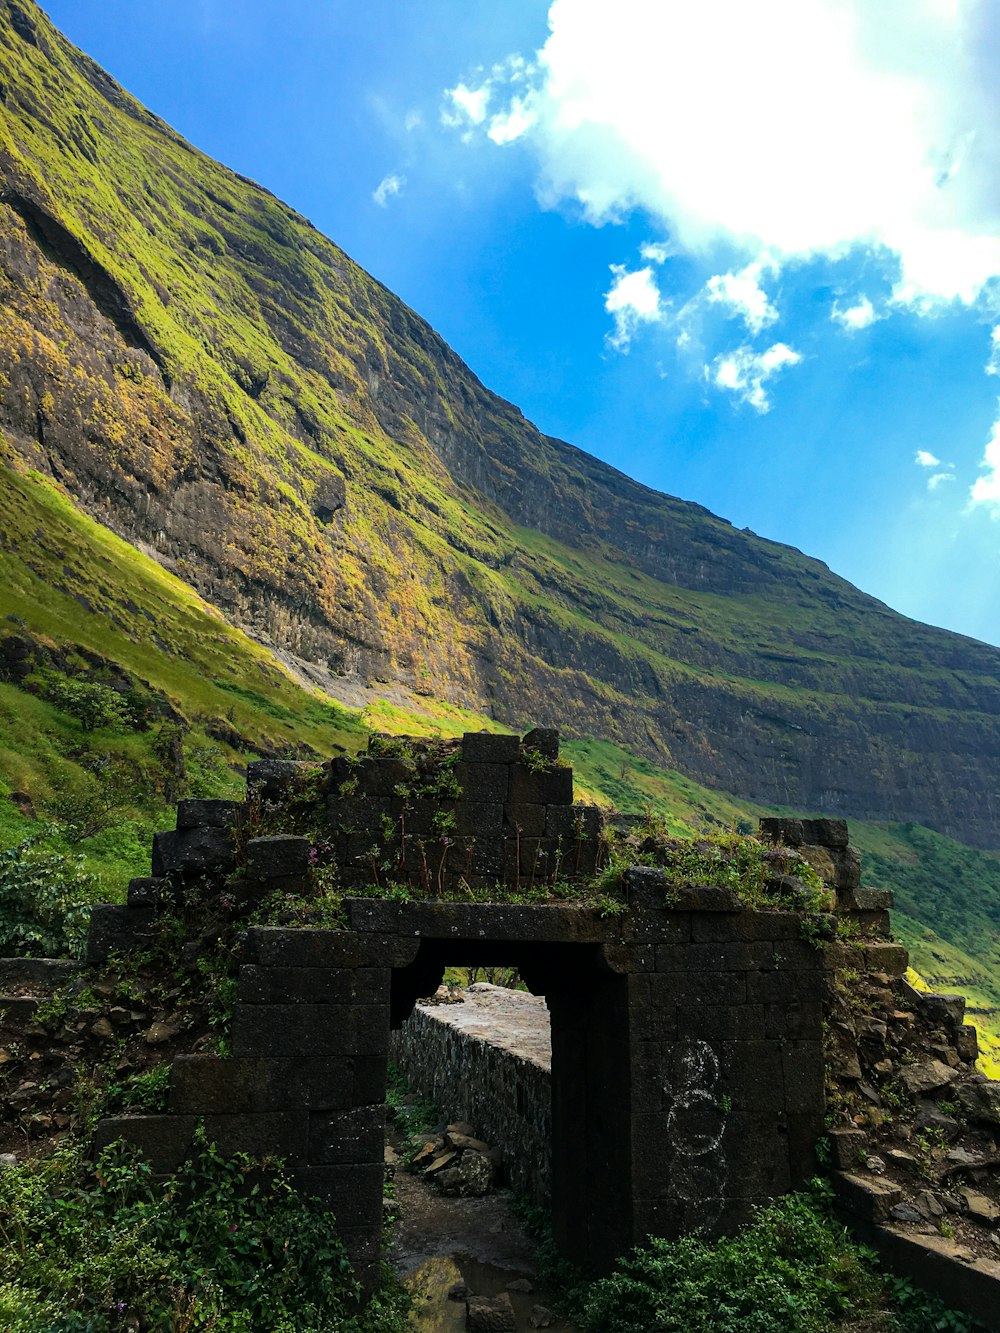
(221, 1244)
(793, 1269)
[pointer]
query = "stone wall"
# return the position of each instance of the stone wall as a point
(488, 1060)
(687, 1071)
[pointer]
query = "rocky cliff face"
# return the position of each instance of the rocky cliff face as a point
(220, 384)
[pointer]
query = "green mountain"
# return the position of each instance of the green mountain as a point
(220, 385)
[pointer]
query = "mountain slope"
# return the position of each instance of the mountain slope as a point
(223, 387)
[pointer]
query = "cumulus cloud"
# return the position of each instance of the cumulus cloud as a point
(790, 128)
(743, 295)
(387, 188)
(746, 372)
(854, 317)
(986, 489)
(993, 364)
(632, 299)
(924, 458)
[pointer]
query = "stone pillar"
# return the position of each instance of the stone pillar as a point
(727, 1076)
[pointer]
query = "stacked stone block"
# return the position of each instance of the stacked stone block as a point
(726, 1055)
(509, 819)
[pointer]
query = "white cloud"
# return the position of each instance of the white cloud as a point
(854, 317)
(746, 372)
(993, 364)
(414, 121)
(744, 296)
(656, 252)
(632, 299)
(924, 458)
(387, 188)
(512, 123)
(790, 128)
(986, 489)
(467, 104)
(938, 479)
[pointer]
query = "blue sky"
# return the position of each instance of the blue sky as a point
(747, 254)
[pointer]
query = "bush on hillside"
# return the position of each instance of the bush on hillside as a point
(45, 901)
(205, 1248)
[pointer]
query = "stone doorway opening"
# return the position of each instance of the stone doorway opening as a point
(585, 1181)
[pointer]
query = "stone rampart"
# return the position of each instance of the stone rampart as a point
(487, 1060)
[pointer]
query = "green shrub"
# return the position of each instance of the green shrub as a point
(792, 1271)
(91, 703)
(45, 900)
(209, 1247)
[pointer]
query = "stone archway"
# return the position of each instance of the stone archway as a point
(687, 1060)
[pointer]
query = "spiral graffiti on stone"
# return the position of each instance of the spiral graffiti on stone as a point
(695, 1125)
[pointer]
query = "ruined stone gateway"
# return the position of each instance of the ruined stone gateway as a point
(687, 1055)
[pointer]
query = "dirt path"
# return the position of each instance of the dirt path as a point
(441, 1245)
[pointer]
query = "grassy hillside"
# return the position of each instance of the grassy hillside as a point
(102, 615)
(222, 385)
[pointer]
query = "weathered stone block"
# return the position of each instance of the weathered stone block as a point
(483, 782)
(641, 926)
(369, 1082)
(892, 959)
(574, 823)
(164, 1140)
(372, 915)
(478, 921)
(354, 1136)
(720, 1022)
(864, 900)
(280, 855)
(486, 747)
(278, 946)
(746, 926)
(207, 813)
(49, 972)
(553, 786)
(948, 1010)
(545, 740)
(802, 1021)
(359, 811)
(787, 831)
(866, 1197)
(847, 1147)
(276, 1133)
(285, 1031)
(804, 1076)
(478, 819)
(756, 1154)
(785, 988)
(698, 988)
(297, 985)
(352, 1191)
(967, 1043)
(115, 929)
(378, 776)
(750, 1072)
(276, 779)
(148, 892)
(527, 820)
(825, 832)
(193, 851)
(737, 956)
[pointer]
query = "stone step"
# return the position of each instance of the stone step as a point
(48, 972)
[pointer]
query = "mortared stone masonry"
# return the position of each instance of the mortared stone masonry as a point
(687, 1059)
